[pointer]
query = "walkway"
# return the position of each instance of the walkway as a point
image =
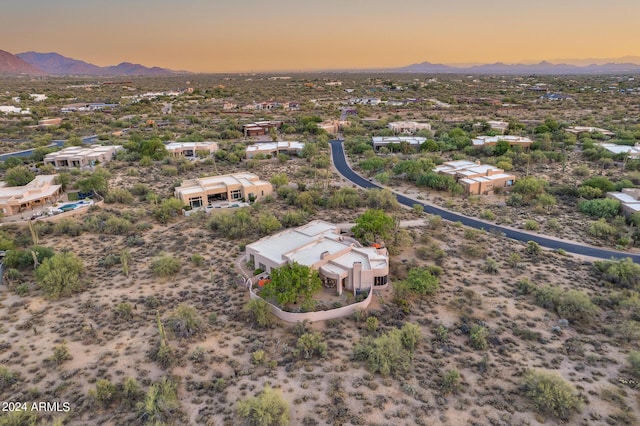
(340, 162)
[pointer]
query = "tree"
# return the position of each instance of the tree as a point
(600, 207)
(259, 311)
(292, 282)
(421, 281)
(160, 402)
(373, 224)
(60, 275)
(169, 208)
(268, 408)
(97, 182)
(18, 176)
(279, 179)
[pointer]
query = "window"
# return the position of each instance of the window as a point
(236, 194)
(380, 280)
(195, 202)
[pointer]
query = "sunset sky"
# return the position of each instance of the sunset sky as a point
(270, 35)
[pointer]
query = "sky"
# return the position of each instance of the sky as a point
(305, 35)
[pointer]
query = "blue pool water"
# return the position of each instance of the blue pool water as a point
(72, 206)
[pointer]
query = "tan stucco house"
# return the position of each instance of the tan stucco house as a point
(204, 191)
(41, 190)
(340, 260)
(475, 178)
(81, 156)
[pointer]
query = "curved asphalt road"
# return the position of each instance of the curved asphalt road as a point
(340, 163)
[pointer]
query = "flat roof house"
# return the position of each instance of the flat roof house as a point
(260, 128)
(512, 140)
(413, 141)
(341, 261)
(204, 191)
(80, 156)
(274, 148)
(629, 200)
(578, 130)
(476, 179)
(632, 151)
(408, 127)
(190, 149)
(15, 199)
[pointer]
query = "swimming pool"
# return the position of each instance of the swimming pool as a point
(73, 206)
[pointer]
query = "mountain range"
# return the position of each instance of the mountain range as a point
(35, 63)
(543, 67)
(56, 64)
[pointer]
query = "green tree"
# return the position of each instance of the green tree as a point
(60, 275)
(185, 322)
(292, 282)
(310, 344)
(268, 408)
(259, 311)
(373, 224)
(279, 179)
(600, 207)
(18, 176)
(97, 182)
(421, 281)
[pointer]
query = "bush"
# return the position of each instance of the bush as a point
(310, 344)
(634, 362)
(68, 227)
(119, 195)
(268, 408)
(185, 322)
(600, 207)
(623, 273)
(478, 337)
(391, 353)
(165, 266)
(450, 382)
(18, 176)
(60, 275)
(105, 393)
(160, 403)
(573, 305)
(422, 281)
(21, 259)
(600, 182)
(197, 259)
(531, 225)
(260, 312)
(551, 394)
(61, 353)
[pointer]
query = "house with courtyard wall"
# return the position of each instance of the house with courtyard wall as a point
(385, 141)
(408, 127)
(190, 149)
(341, 261)
(205, 191)
(476, 178)
(512, 140)
(274, 148)
(37, 193)
(82, 156)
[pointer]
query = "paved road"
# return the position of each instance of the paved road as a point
(59, 142)
(340, 162)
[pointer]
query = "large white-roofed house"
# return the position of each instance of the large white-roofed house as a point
(340, 260)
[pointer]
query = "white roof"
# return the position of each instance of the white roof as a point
(481, 140)
(620, 149)
(273, 146)
(384, 140)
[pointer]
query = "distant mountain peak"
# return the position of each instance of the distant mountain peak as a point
(57, 64)
(12, 64)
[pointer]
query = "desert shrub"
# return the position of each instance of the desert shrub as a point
(18, 176)
(169, 170)
(131, 392)
(450, 382)
(372, 324)
(67, 226)
(165, 266)
(487, 214)
(478, 337)
(267, 223)
(491, 266)
(422, 281)
(117, 226)
(168, 209)
(533, 248)
(7, 378)
(589, 192)
(551, 394)
(623, 273)
(309, 345)
(268, 408)
(118, 195)
(105, 393)
(600, 182)
(61, 353)
(531, 225)
(600, 208)
(197, 259)
(232, 225)
(290, 283)
(581, 170)
(160, 404)
(390, 353)
(634, 362)
(185, 322)
(22, 259)
(260, 312)
(573, 305)
(60, 275)
(600, 228)
(124, 311)
(346, 197)
(294, 218)
(139, 190)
